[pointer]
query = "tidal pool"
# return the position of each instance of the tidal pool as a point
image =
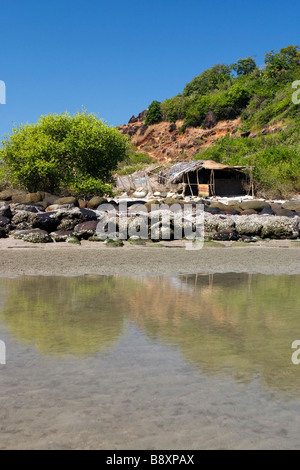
(114, 362)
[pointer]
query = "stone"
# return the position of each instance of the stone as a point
(45, 221)
(245, 225)
(113, 243)
(140, 194)
(21, 217)
(279, 228)
(66, 200)
(87, 214)
(28, 207)
(61, 236)
(5, 210)
(73, 240)
(33, 236)
(226, 235)
(57, 207)
(267, 211)
(254, 204)
(95, 202)
(10, 194)
(82, 203)
(85, 229)
(248, 212)
(292, 205)
(34, 197)
(2, 232)
(209, 121)
(49, 199)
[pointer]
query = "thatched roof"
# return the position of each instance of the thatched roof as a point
(175, 173)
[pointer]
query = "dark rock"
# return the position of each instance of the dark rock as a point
(212, 210)
(5, 210)
(4, 221)
(45, 221)
(172, 127)
(245, 134)
(132, 120)
(87, 214)
(66, 200)
(96, 201)
(225, 235)
(267, 211)
(210, 120)
(2, 232)
(85, 229)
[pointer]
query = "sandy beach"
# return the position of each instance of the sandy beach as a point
(21, 258)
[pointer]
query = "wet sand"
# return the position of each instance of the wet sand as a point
(20, 258)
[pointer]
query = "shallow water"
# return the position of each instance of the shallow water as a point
(187, 362)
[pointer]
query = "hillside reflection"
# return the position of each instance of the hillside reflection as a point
(239, 324)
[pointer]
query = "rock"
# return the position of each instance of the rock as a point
(292, 205)
(140, 194)
(212, 210)
(172, 127)
(245, 134)
(87, 214)
(248, 212)
(149, 204)
(85, 229)
(280, 211)
(61, 236)
(220, 206)
(66, 200)
(34, 197)
(225, 235)
(95, 238)
(113, 243)
(4, 221)
(254, 204)
(96, 201)
(160, 232)
(210, 120)
(5, 210)
(2, 232)
(82, 203)
(22, 217)
(33, 236)
(267, 211)
(57, 207)
(279, 228)
(245, 225)
(73, 240)
(28, 207)
(45, 221)
(12, 195)
(49, 199)
(157, 194)
(225, 223)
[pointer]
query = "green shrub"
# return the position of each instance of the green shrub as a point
(154, 114)
(62, 152)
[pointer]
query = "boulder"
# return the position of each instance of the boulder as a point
(248, 212)
(12, 195)
(61, 236)
(82, 203)
(49, 199)
(267, 211)
(73, 240)
(22, 217)
(57, 207)
(280, 211)
(292, 205)
(96, 201)
(279, 228)
(28, 207)
(86, 229)
(5, 210)
(4, 221)
(45, 221)
(245, 225)
(254, 204)
(226, 235)
(66, 200)
(210, 120)
(33, 236)
(2, 232)
(34, 197)
(87, 214)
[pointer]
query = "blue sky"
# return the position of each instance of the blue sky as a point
(114, 58)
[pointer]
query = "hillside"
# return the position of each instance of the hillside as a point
(235, 114)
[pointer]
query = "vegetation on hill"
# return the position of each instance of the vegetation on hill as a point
(63, 153)
(261, 97)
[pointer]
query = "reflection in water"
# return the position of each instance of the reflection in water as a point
(238, 324)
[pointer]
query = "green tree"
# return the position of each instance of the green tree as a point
(154, 114)
(209, 80)
(244, 66)
(63, 152)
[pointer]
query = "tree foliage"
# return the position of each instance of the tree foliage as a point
(63, 152)
(154, 113)
(244, 66)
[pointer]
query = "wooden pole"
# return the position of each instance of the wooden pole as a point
(188, 178)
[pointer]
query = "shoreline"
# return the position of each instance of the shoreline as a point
(18, 258)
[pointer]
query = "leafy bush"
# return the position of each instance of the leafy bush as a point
(154, 113)
(62, 152)
(134, 162)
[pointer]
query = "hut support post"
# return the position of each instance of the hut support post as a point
(188, 178)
